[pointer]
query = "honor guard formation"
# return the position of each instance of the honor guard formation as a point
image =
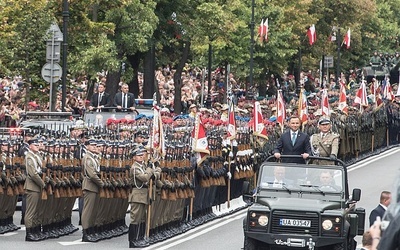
(167, 170)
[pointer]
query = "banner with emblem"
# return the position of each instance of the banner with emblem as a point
(325, 107)
(200, 143)
(259, 128)
(157, 135)
(302, 108)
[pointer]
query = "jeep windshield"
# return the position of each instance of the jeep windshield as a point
(305, 179)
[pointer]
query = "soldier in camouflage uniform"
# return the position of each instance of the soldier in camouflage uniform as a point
(325, 143)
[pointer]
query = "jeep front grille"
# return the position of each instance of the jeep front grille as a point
(277, 215)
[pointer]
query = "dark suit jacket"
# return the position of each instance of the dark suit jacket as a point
(284, 146)
(378, 211)
(105, 100)
(130, 102)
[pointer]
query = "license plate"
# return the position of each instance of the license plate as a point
(295, 223)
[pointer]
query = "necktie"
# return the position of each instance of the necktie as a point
(293, 138)
(100, 96)
(125, 101)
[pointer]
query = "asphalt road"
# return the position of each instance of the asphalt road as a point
(372, 175)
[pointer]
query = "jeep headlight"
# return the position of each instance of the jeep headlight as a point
(263, 220)
(327, 224)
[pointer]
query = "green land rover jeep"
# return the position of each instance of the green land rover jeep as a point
(302, 206)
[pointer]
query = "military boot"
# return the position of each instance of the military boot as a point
(133, 236)
(142, 240)
(30, 236)
(87, 235)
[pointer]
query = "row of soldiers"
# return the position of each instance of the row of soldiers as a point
(187, 188)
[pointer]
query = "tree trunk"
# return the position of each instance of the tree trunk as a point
(134, 61)
(178, 78)
(149, 73)
(112, 83)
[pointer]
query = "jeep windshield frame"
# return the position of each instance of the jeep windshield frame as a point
(302, 180)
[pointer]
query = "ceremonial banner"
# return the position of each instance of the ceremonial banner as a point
(361, 96)
(157, 135)
(281, 110)
(231, 122)
(387, 91)
(302, 107)
(200, 143)
(259, 128)
(343, 100)
(325, 107)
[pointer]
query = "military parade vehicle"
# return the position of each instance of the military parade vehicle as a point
(302, 206)
(94, 118)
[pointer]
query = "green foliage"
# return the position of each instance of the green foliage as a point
(102, 33)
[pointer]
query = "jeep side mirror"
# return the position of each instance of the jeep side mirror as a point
(356, 196)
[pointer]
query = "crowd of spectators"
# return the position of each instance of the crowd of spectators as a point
(15, 99)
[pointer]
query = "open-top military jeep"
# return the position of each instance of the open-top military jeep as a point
(302, 206)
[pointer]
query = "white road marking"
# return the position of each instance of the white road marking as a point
(205, 228)
(8, 234)
(71, 243)
(371, 159)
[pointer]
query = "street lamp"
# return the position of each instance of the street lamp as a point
(250, 85)
(65, 15)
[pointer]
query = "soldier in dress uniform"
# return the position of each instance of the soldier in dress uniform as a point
(91, 188)
(138, 198)
(325, 143)
(34, 185)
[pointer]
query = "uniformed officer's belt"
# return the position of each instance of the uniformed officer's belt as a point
(143, 186)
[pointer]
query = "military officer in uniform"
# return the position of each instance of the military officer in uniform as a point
(325, 143)
(91, 187)
(138, 198)
(34, 185)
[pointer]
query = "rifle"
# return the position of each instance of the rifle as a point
(44, 191)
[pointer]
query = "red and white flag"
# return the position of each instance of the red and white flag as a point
(302, 107)
(388, 92)
(259, 128)
(231, 122)
(280, 110)
(342, 99)
(376, 94)
(325, 107)
(312, 34)
(200, 143)
(263, 30)
(361, 95)
(346, 39)
(157, 135)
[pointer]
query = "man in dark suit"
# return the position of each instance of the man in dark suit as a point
(100, 99)
(380, 210)
(124, 100)
(278, 180)
(293, 142)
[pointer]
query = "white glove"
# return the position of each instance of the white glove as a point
(229, 175)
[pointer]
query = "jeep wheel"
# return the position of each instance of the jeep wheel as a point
(250, 244)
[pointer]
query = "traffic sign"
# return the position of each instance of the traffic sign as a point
(51, 72)
(55, 31)
(328, 62)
